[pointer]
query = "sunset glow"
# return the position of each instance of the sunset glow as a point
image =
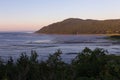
(31, 15)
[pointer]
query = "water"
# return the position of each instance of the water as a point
(13, 44)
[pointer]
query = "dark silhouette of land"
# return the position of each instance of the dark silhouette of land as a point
(80, 26)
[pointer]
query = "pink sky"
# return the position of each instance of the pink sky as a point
(25, 25)
(20, 27)
(31, 15)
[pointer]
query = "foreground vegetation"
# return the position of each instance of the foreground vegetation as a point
(87, 65)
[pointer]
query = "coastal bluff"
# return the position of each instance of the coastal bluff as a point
(82, 26)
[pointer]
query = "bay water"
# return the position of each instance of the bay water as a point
(14, 43)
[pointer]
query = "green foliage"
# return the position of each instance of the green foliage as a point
(87, 65)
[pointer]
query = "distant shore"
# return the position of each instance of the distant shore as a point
(84, 34)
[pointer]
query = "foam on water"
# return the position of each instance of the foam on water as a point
(39, 42)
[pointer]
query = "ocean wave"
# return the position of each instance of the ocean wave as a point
(39, 42)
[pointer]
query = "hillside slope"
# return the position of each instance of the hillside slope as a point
(80, 26)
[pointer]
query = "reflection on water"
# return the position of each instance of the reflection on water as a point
(12, 44)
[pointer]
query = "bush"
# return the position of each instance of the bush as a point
(87, 65)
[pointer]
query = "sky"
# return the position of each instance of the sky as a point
(31, 15)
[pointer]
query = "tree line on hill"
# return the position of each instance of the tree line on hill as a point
(80, 26)
(87, 65)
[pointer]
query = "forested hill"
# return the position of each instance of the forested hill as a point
(80, 26)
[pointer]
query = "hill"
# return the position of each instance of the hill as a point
(80, 26)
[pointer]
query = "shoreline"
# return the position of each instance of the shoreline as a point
(82, 34)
